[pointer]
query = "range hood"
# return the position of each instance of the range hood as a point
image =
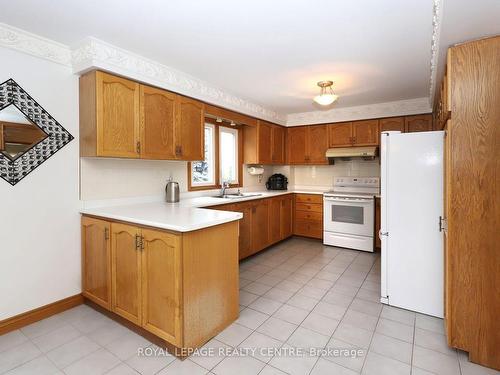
(347, 153)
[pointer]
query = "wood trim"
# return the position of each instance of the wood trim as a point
(32, 316)
(229, 115)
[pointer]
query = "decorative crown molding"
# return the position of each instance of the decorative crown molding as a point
(93, 53)
(23, 41)
(389, 109)
(437, 13)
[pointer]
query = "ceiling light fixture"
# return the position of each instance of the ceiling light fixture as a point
(232, 123)
(218, 119)
(326, 95)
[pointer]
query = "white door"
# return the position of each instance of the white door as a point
(412, 203)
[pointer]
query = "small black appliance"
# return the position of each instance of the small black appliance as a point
(277, 182)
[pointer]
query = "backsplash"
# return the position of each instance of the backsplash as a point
(102, 178)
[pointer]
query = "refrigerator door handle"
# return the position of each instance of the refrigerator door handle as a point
(380, 234)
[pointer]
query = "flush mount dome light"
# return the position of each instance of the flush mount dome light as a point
(326, 95)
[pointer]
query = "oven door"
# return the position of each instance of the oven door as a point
(349, 215)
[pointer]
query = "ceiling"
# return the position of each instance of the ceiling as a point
(272, 53)
(269, 52)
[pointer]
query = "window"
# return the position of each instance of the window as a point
(203, 172)
(222, 159)
(228, 151)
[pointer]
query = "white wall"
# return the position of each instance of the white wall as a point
(39, 220)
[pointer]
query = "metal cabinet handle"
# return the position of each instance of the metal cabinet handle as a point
(106, 234)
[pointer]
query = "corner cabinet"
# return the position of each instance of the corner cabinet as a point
(153, 277)
(264, 143)
(125, 119)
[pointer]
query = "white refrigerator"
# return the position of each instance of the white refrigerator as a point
(412, 259)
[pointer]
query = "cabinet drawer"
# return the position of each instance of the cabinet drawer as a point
(308, 228)
(309, 198)
(309, 215)
(313, 207)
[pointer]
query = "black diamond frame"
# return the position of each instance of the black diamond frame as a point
(14, 171)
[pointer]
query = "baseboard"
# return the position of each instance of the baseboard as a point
(40, 313)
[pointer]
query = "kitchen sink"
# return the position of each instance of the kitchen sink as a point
(237, 196)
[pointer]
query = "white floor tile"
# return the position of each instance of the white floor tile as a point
(361, 320)
(291, 314)
(305, 338)
(376, 364)
(303, 302)
(294, 364)
(395, 329)
(354, 335)
(71, 352)
(430, 323)
(122, 369)
(12, 339)
(279, 295)
(366, 307)
(277, 329)
(210, 361)
(43, 327)
(96, 363)
(436, 362)
(186, 367)
(257, 288)
(39, 366)
(434, 341)
(239, 365)
(234, 334)
(398, 315)
(157, 359)
(324, 367)
(354, 362)
(127, 345)
(329, 310)
(260, 346)
(320, 323)
(251, 318)
(56, 338)
(392, 348)
(269, 370)
(265, 305)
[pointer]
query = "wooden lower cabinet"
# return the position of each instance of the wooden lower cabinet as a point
(126, 271)
(181, 287)
(161, 289)
(265, 222)
(308, 215)
(96, 261)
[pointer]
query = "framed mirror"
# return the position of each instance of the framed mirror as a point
(28, 134)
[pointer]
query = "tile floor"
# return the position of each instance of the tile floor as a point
(297, 294)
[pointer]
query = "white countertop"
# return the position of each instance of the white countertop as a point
(184, 216)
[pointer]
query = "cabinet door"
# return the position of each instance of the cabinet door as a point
(286, 209)
(126, 271)
(157, 123)
(275, 219)
(264, 138)
(419, 123)
(340, 134)
(96, 261)
(189, 130)
(317, 144)
(392, 123)
(296, 147)
(117, 101)
(245, 240)
(161, 285)
(365, 132)
(260, 225)
(278, 149)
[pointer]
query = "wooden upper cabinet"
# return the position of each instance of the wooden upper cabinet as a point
(418, 123)
(189, 131)
(297, 145)
(117, 109)
(161, 284)
(365, 133)
(96, 261)
(278, 149)
(317, 144)
(392, 123)
(340, 134)
(265, 144)
(126, 272)
(157, 123)
(122, 118)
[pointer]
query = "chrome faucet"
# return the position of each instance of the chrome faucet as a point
(224, 186)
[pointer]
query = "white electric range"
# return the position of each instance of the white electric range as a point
(349, 213)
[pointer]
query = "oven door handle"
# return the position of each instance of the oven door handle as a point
(349, 200)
